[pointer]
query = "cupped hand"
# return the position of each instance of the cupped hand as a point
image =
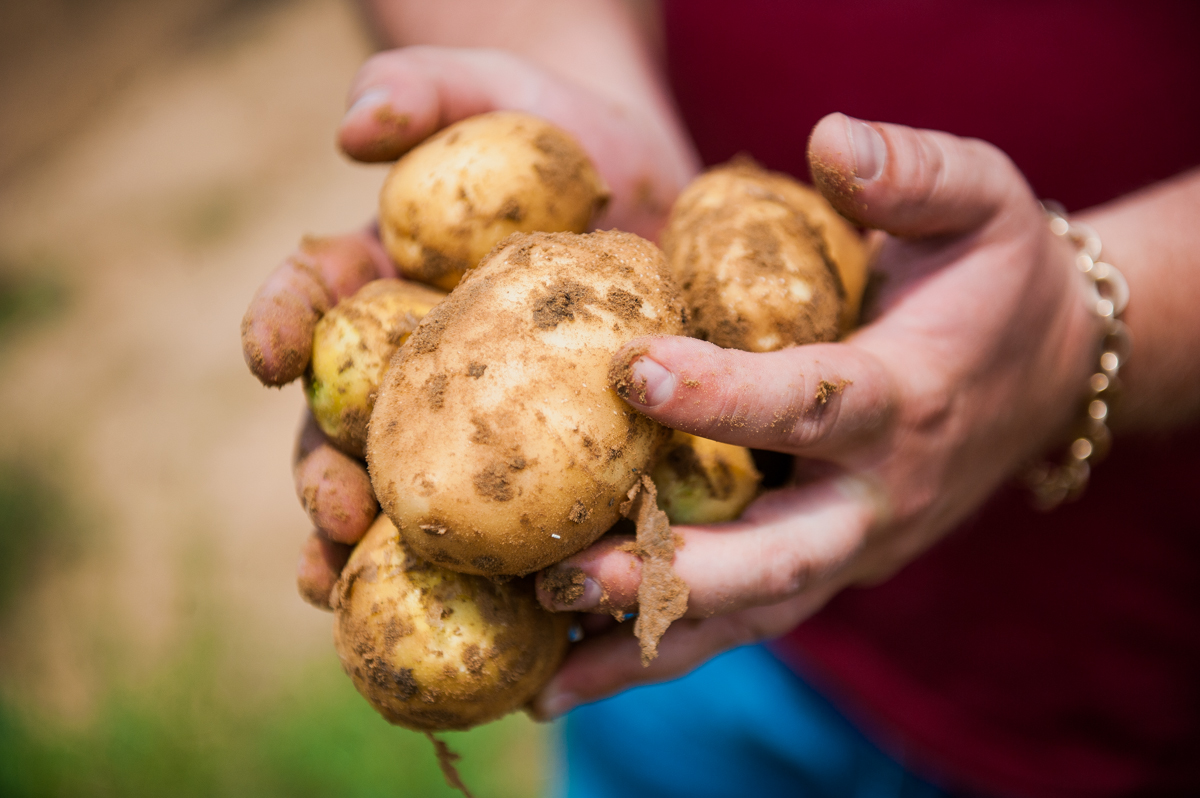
(399, 98)
(975, 351)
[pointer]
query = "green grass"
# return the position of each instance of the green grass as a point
(187, 734)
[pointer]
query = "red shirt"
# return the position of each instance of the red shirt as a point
(1041, 654)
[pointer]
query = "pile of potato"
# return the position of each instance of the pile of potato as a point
(494, 440)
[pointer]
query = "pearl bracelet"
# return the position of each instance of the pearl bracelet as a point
(1108, 294)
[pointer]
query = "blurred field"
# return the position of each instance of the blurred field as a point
(156, 160)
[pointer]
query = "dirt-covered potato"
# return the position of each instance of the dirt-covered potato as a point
(764, 261)
(455, 196)
(701, 481)
(496, 444)
(432, 649)
(352, 346)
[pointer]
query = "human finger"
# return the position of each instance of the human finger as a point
(815, 400)
(791, 541)
(910, 182)
(278, 326)
(333, 487)
(321, 562)
(400, 97)
(606, 664)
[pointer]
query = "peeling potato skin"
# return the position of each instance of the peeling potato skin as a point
(497, 445)
(764, 261)
(352, 347)
(433, 650)
(450, 200)
(701, 481)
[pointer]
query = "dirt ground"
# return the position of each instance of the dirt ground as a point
(157, 160)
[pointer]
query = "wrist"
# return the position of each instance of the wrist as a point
(1152, 238)
(1098, 349)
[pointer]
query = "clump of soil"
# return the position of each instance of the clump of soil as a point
(826, 390)
(446, 759)
(662, 595)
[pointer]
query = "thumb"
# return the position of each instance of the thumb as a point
(909, 182)
(402, 96)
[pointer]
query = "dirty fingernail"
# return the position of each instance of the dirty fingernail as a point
(652, 384)
(870, 151)
(371, 98)
(571, 589)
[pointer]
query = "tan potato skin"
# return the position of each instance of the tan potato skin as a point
(764, 261)
(434, 650)
(352, 347)
(702, 481)
(497, 445)
(451, 199)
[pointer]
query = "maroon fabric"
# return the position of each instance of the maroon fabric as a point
(1028, 654)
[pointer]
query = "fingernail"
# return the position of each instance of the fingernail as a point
(555, 704)
(371, 98)
(571, 589)
(870, 151)
(652, 384)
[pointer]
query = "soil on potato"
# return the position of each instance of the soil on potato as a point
(562, 301)
(698, 238)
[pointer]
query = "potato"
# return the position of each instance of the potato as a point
(451, 199)
(496, 444)
(352, 346)
(701, 481)
(764, 262)
(432, 649)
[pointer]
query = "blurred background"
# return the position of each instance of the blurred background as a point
(157, 159)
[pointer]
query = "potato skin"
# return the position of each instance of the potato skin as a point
(497, 445)
(434, 650)
(764, 261)
(352, 347)
(701, 481)
(451, 199)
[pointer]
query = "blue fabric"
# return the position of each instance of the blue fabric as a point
(743, 724)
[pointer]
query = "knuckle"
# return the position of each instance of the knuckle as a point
(814, 427)
(930, 408)
(932, 171)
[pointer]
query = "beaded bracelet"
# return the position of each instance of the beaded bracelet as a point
(1108, 294)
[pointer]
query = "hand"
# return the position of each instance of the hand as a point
(399, 98)
(972, 361)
